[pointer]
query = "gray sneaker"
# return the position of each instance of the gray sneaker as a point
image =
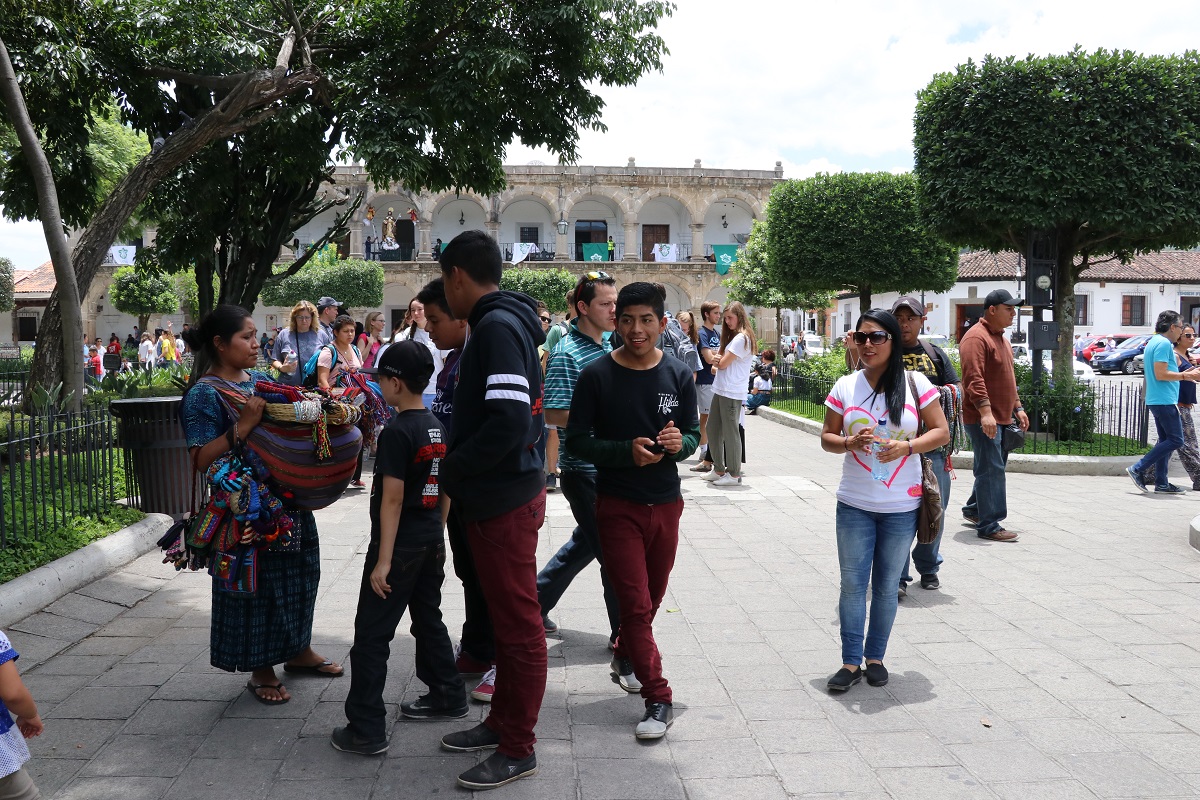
(622, 672)
(1136, 478)
(655, 721)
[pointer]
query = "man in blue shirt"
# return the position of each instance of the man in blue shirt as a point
(1162, 394)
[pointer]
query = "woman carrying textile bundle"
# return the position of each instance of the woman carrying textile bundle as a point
(252, 631)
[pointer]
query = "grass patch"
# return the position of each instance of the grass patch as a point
(24, 555)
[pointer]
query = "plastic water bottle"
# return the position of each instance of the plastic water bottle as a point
(879, 470)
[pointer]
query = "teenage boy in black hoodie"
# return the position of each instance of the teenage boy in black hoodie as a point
(496, 481)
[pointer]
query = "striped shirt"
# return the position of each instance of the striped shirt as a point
(567, 360)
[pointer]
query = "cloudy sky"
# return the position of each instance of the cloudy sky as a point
(818, 86)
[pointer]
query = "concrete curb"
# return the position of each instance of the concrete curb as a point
(35, 590)
(1194, 533)
(1029, 464)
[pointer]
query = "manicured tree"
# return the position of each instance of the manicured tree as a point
(6, 284)
(548, 285)
(854, 230)
(356, 283)
(750, 282)
(1101, 150)
(142, 294)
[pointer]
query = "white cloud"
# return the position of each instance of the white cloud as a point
(23, 243)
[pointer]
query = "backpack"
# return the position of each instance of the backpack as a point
(674, 342)
(309, 376)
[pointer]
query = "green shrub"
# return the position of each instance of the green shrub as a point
(23, 555)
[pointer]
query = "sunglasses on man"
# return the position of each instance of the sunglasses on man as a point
(874, 337)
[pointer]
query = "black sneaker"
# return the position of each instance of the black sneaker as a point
(481, 737)
(655, 721)
(877, 675)
(902, 592)
(1170, 488)
(497, 770)
(843, 679)
(423, 708)
(550, 625)
(551, 485)
(348, 741)
(1137, 479)
(930, 581)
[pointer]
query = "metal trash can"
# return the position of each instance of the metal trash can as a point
(158, 469)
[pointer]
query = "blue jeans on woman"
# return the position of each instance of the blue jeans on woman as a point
(872, 547)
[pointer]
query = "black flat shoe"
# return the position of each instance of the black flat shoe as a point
(843, 679)
(877, 675)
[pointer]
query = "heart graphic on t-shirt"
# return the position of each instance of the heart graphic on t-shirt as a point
(856, 419)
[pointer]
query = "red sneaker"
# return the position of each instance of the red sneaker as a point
(467, 665)
(486, 688)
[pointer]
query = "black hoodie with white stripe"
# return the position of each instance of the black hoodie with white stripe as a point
(492, 465)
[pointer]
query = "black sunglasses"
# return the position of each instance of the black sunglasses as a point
(544, 319)
(874, 337)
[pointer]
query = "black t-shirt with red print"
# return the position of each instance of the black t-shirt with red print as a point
(411, 448)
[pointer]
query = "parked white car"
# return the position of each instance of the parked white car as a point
(1083, 373)
(813, 345)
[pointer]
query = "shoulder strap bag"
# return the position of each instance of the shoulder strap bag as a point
(929, 519)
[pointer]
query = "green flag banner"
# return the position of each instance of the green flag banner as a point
(727, 256)
(595, 251)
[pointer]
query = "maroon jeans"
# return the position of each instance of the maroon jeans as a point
(504, 549)
(639, 543)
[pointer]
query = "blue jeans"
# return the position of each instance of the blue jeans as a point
(580, 490)
(928, 557)
(754, 401)
(988, 502)
(872, 547)
(1170, 439)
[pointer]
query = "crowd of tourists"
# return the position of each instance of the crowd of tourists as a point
(492, 405)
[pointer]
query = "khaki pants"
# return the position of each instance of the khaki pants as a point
(724, 443)
(18, 786)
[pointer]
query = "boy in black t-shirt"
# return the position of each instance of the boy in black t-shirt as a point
(633, 416)
(403, 568)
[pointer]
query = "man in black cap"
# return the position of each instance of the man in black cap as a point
(404, 562)
(327, 311)
(990, 402)
(932, 362)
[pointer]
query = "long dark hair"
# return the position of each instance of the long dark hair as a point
(892, 382)
(223, 322)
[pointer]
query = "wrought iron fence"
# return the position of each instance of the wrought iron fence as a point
(1083, 419)
(13, 376)
(543, 251)
(53, 468)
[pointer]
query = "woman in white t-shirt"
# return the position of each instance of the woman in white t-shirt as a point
(732, 372)
(872, 417)
(146, 352)
(416, 332)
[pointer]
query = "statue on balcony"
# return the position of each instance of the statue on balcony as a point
(388, 242)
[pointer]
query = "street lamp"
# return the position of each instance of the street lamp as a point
(562, 224)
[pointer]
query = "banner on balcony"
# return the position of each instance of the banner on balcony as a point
(666, 252)
(121, 254)
(595, 251)
(521, 251)
(726, 256)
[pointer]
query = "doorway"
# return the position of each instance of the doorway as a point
(588, 231)
(965, 317)
(652, 235)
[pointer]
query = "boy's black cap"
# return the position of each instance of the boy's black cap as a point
(406, 359)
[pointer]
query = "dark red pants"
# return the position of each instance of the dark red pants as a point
(504, 549)
(639, 543)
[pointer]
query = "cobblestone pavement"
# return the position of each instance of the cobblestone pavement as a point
(1063, 666)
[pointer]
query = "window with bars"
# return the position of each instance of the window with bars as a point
(1081, 309)
(1133, 310)
(529, 233)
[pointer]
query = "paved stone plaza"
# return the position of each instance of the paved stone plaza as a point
(1063, 666)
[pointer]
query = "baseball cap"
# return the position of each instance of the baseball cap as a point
(407, 359)
(911, 303)
(1000, 297)
(326, 302)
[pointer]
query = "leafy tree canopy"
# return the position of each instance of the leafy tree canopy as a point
(750, 279)
(142, 294)
(356, 283)
(859, 231)
(548, 285)
(6, 284)
(1101, 150)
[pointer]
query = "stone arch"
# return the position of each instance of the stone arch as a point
(688, 201)
(444, 199)
(718, 294)
(679, 295)
(608, 195)
(749, 202)
(545, 198)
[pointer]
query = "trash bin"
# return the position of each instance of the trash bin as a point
(158, 469)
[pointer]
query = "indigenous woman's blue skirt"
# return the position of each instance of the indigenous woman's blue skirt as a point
(274, 624)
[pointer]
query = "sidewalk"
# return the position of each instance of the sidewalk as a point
(1063, 666)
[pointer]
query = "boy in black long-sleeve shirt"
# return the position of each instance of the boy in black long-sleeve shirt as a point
(404, 563)
(633, 416)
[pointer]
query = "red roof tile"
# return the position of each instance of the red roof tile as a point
(37, 280)
(1171, 266)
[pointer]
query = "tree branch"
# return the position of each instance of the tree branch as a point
(207, 81)
(257, 29)
(336, 230)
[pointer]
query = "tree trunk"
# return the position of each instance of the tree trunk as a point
(143, 322)
(257, 91)
(68, 349)
(864, 298)
(1064, 303)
